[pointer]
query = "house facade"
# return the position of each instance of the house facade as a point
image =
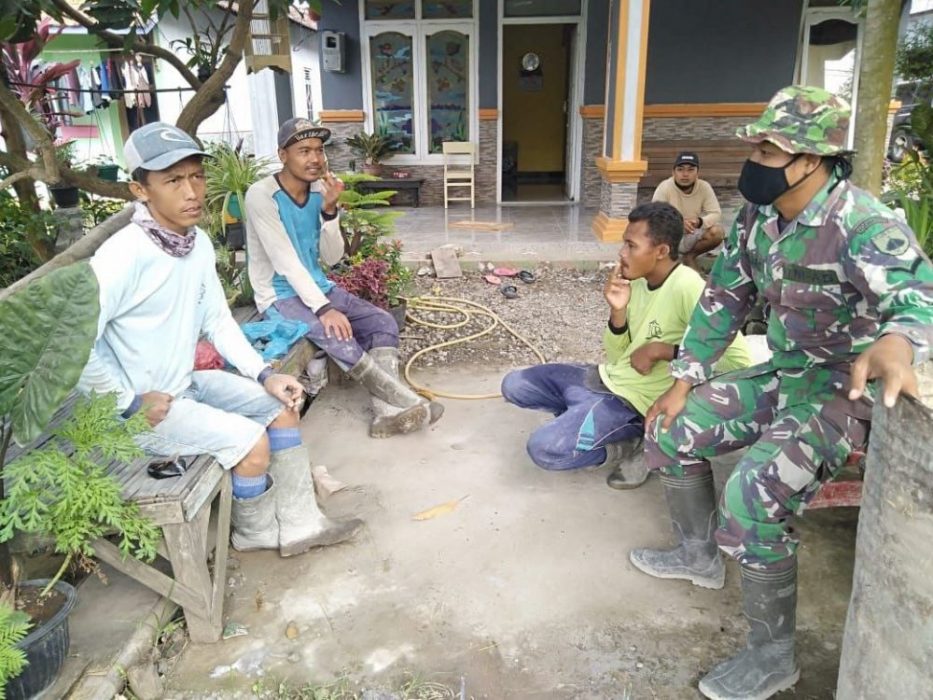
(99, 131)
(565, 98)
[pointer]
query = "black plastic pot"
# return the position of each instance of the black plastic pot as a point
(65, 196)
(235, 236)
(46, 647)
(398, 313)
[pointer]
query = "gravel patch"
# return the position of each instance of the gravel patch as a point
(563, 314)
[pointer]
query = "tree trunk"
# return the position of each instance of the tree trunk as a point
(874, 92)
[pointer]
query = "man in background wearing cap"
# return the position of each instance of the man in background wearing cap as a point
(292, 225)
(850, 294)
(695, 200)
(159, 292)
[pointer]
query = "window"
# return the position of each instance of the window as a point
(421, 79)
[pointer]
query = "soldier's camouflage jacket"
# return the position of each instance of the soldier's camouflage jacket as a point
(845, 272)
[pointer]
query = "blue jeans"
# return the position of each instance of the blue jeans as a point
(587, 415)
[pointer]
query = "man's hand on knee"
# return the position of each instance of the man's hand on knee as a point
(286, 389)
(890, 359)
(155, 406)
(669, 404)
(336, 325)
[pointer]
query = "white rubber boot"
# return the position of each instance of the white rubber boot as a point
(254, 523)
(302, 525)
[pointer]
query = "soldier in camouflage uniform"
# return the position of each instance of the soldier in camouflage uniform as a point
(850, 299)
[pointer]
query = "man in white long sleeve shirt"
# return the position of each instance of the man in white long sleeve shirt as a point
(159, 292)
(292, 224)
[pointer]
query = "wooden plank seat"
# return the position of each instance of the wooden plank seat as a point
(720, 160)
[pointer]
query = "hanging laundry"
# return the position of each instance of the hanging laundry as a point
(129, 84)
(84, 80)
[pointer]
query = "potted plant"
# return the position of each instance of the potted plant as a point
(374, 269)
(373, 149)
(64, 196)
(58, 489)
(228, 174)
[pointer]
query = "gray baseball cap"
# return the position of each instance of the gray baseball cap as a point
(299, 129)
(158, 146)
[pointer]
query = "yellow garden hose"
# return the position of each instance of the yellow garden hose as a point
(467, 309)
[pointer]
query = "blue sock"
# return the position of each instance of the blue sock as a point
(283, 438)
(249, 486)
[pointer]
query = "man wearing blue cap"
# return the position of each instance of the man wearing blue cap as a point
(292, 225)
(159, 292)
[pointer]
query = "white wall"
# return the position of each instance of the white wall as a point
(235, 120)
(305, 55)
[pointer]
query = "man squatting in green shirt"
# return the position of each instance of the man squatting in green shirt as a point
(598, 409)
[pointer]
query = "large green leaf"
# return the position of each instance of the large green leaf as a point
(47, 331)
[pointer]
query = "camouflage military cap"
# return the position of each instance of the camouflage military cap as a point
(803, 119)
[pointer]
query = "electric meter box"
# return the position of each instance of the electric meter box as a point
(333, 51)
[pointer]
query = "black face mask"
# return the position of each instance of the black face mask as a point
(761, 184)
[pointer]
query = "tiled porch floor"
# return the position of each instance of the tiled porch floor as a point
(545, 232)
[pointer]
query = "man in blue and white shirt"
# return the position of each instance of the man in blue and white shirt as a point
(292, 225)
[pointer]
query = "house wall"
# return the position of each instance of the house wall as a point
(343, 90)
(108, 141)
(306, 52)
(229, 123)
(720, 50)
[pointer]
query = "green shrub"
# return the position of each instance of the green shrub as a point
(17, 226)
(14, 625)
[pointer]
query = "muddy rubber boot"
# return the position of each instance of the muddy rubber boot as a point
(767, 665)
(696, 558)
(302, 525)
(253, 522)
(388, 359)
(397, 409)
(630, 470)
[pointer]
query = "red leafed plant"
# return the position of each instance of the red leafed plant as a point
(367, 280)
(32, 80)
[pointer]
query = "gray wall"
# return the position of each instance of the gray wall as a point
(343, 90)
(488, 54)
(720, 50)
(597, 36)
(613, 67)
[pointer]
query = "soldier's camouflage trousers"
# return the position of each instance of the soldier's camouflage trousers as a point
(800, 428)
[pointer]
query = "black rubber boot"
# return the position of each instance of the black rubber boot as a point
(628, 460)
(767, 665)
(692, 503)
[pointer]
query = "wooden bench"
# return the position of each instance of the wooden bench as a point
(721, 160)
(411, 185)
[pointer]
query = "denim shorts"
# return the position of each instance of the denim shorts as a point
(220, 414)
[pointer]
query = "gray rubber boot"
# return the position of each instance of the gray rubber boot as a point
(767, 665)
(253, 522)
(630, 470)
(397, 409)
(696, 558)
(302, 525)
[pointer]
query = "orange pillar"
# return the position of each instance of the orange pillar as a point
(621, 166)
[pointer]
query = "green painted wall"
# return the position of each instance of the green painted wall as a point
(109, 141)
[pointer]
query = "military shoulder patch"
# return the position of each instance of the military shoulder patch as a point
(891, 241)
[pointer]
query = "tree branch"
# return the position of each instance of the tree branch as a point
(137, 46)
(43, 139)
(16, 177)
(210, 96)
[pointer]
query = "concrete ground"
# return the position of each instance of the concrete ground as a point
(524, 590)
